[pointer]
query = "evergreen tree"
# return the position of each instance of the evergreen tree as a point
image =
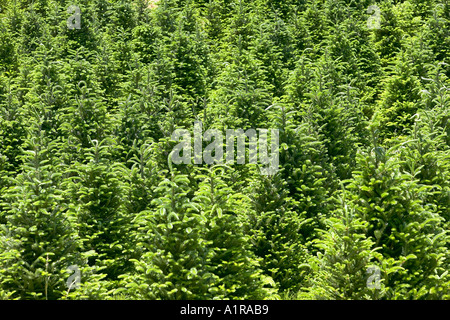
(276, 232)
(170, 267)
(95, 193)
(407, 228)
(229, 255)
(340, 267)
(90, 208)
(39, 240)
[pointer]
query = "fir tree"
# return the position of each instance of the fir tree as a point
(407, 228)
(170, 267)
(345, 255)
(39, 240)
(229, 255)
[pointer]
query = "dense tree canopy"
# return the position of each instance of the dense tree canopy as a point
(92, 90)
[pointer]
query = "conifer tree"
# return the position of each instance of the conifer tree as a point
(276, 232)
(308, 176)
(170, 267)
(407, 228)
(39, 240)
(95, 193)
(229, 256)
(357, 89)
(400, 99)
(339, 271)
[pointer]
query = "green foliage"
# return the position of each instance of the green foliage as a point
(338, 272)
(405, 226)
(39, 240)
(174, 247)
(87, 182)
(229, 250)
(276, 231)
(95, 194)
(196, 249)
